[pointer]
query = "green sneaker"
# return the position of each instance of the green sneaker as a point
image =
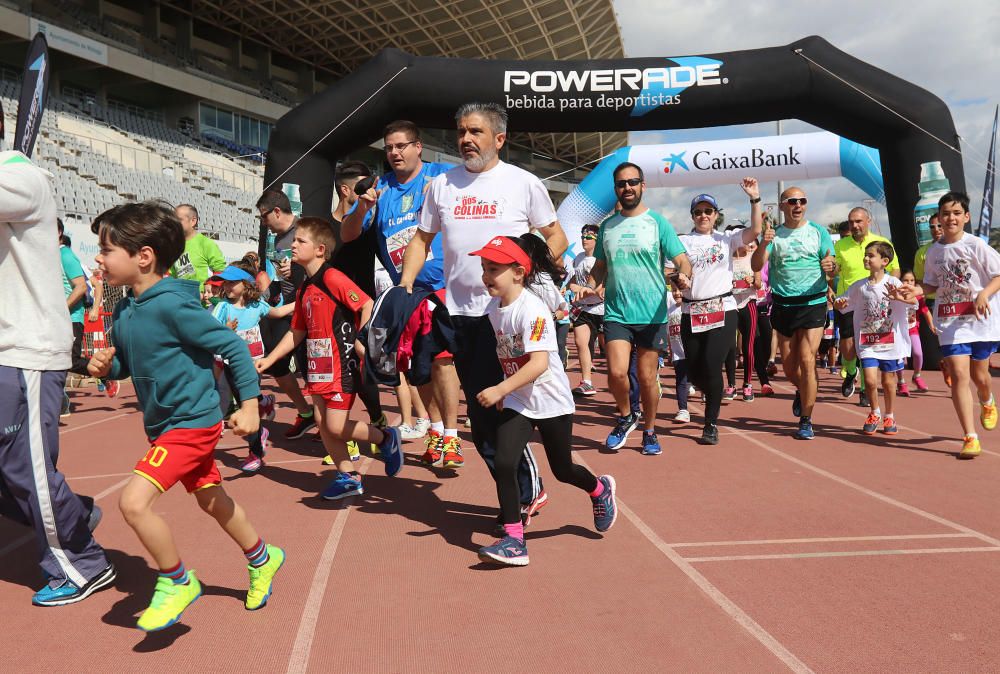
(169, 602)
(261, 577)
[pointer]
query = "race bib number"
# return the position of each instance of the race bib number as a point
(253, 340)
(878, 341)
(707, 315)
(319, 353)
(954, 310)
(674, 329)
(828, 332)
(741, 284)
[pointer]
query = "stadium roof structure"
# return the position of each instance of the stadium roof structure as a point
(336, 36)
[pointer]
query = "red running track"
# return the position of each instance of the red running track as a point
(847, 553)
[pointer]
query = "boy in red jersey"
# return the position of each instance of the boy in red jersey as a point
(329, 311)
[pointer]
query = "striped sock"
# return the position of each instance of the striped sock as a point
(257, 554)
(178, 574)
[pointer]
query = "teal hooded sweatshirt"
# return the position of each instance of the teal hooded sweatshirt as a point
(166, 342)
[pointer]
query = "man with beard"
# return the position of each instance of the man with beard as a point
(633, 247)
(469, 205)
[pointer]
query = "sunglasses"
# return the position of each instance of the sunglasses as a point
(398, 147)
(589, 237)
(702, 211)
(935, 226)
(631, 182)
(793, 201)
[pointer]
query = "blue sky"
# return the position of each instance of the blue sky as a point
(951, 49)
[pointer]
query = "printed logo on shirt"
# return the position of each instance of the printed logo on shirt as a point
(406, 203)
(537, 330)
(353, 296)
(707, 257)
(473, 208)
(184, 266)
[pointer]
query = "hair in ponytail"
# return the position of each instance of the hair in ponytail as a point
(541, 258)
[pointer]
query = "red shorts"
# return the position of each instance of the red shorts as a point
(441, 295)
(185, 455)
(335, 400)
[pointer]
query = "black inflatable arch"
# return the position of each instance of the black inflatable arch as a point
(627, 95)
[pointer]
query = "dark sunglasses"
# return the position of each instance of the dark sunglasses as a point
(631, 182)
(793, 201)
(589, 237)
(702, 211)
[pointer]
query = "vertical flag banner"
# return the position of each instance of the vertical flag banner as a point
(986, 212)
(34, 92)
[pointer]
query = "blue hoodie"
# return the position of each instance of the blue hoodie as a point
(166, 341)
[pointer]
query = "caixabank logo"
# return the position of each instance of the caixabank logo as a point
(638, 90)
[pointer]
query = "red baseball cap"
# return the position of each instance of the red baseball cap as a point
(503, 250)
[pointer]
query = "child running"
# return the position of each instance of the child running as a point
(880, 308)
(241, 309)
(166, 342)
(913, 315)
(535, 393)
(329, 311)
(965, 273)
(681, 383)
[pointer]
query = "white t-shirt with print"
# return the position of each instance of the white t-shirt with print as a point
(522, 327)
(960, 271)
(880, 324)
(468, 209)
(743, 288)
(582, 264)
(674, 316)
(711, 257)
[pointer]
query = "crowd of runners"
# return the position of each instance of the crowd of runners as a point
(438, 281)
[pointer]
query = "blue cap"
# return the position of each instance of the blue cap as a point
(232, 273)
(708, 199)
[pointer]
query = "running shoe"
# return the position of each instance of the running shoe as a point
(112, 387)
(805, 431)
(729, 393)
(94, 518)
(682, 417)
(834, 369)
(585, 389)
(605, 505)
(508, 551)
(970, 448)
(261, 578)
(850, 383)
(902, 389)
(772, 369)
(863, 400)
(100, 386)
(408, 432)
(748, 393)
(889, 427)
(300, 426)
(766, 390)
(451, 453)
(918, 381)
(170, 599)
(468, 422)
(432, 455)
(422, 425)
(391, 451)
(530, 510)
(353, 451)
(66, 592)
(342, 486)
(65, 411)
(988, 414)
(947, 378)
(709, 435)
(619, 435)
(266, 407)
(251, 464)
(871, 424)
(650, 445)
(797, 405)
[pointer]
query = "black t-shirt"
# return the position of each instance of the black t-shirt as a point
(357, 259)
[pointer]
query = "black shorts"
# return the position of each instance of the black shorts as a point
(787, 319)
(594, 321)
(271, 332)
(845, 324)
(650, 337)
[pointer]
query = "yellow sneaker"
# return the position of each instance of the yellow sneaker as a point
(327, 460)
(988, 414)
(353, 450)
(169, 601)
(970, 448)
(261, 577)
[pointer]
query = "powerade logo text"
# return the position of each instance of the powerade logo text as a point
(639, 91)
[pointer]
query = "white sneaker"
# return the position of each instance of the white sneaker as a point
(407, 432)
(682, 417)
(422, 425)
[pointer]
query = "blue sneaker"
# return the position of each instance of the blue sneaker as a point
(605, 506)
(619, 435)
(650, 445)
(797, 405)
(390, 451)
(508, 550)
(342, 486)
(805, 431)
(66, 592)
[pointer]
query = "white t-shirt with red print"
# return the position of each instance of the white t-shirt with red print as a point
(880, 324)
(960, 271)
(522, 327)
(711, 257)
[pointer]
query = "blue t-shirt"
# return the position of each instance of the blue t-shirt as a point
(397, 215)
(71, 269)
(247, 317)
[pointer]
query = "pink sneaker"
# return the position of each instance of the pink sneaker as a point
(902, 389)
(251, 464)
(918, 381)
(766, 390)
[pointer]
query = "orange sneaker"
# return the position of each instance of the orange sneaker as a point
(452, 449)
(433, 443)
(970, 448)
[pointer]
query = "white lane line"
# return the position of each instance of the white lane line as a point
(741, 617)
(837, 539)
(848, 553)
(94, 423)
(298, 659)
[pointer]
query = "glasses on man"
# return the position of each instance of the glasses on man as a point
(935, 226)
(698, 212)
(589, 237)
(263, 215)
(631, 182)
(398, 147)
(795, 201)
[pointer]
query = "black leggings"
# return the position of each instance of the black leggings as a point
(705, 353)
(746, 324)
(681, 382)
(762, 346)
(513, 434)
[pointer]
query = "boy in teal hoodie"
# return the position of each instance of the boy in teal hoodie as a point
(166, 341)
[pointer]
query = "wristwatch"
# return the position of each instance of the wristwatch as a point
(755, 201)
